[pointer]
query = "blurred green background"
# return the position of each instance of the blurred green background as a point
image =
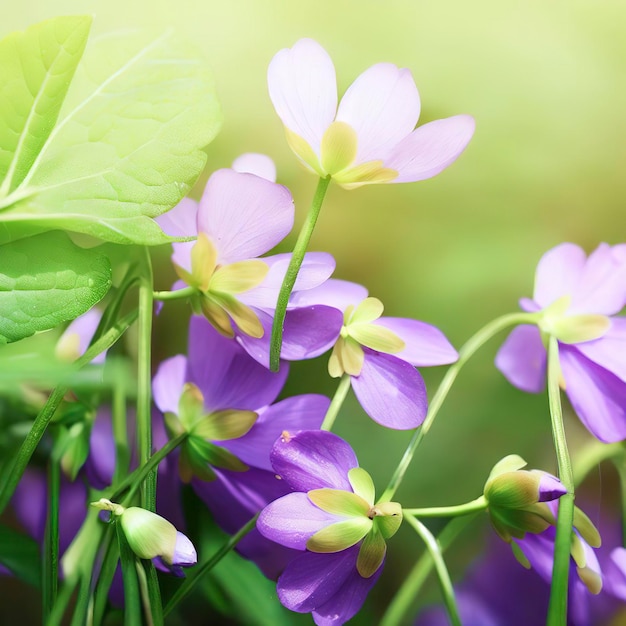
(545, 83)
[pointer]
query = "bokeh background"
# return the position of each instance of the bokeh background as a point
(545, 83)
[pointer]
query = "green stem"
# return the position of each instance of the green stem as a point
(436, 554)
(480, 504)
(120, 435)
(133, 480)
(337, 402)
(207, 566)
(405, 596)
(50, 569)
(132, 594)
(105, 579)
(620, 466)
(144, 382)
(152, 597)
(557, 608)
(185, 292)
(289, 281)
(465, 353)
(45, 415)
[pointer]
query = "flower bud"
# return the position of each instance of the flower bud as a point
(516, 498)
(151, 536)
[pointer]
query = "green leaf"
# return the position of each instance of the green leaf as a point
(46, 280)
(36, 69)
(20, 554)
(127, 145)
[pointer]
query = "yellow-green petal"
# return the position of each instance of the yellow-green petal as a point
(339, 536)
(580, 328)
(339, 502)
(245, 318)
(371, 554)
(216, 315)
(362, 484)
(225, 425)
(369, 173)
(367, 311)
(339, 147)
(304, 152)
(148, 534)
(238, 277)
(376, 337)
(203, 261)
(586, 528)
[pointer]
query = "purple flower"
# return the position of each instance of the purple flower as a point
(78, 335)
(241, 216)
(229, 381)
(332, 519)
(370, 138)
(380, 354)
(616, 573)
(576, 299)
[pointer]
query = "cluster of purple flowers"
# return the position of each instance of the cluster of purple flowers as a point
(321, 532)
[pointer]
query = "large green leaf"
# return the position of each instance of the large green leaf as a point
(37, 68)
(46, 280)
(127, 144)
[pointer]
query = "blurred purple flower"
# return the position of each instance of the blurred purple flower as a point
(577, 299)
(380, 353)
(78, 335)
(331, 518)
(371, 137)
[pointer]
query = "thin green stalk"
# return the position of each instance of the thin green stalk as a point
(207, 566)
(14, 474)
(132, 594)
(337, 402)
(557, 608)
(134, 479)
(405, 596)
(50, 569)
(480, 504)
(105, 579)
(152, 597)
(436, 554)
(465, 353)
(179, 294)
(120, 434)
(289, 281)
(82, 602)
(144, 382)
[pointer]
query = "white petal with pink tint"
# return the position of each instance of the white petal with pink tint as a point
(258, 164)
(244, 215)
(383, 106)
(558, 273)
(430, 148)
(303, 90)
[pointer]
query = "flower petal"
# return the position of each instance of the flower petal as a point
(430, 148)
(181, 220)
(313, 459)
(258, 164)
(303, 90)
(225, 374)
(602, 284)
(336, 293)
(425, 345)
(558, 273)
(383, 106)
(307, 333)
(292, 520)
(609, 350)
(168, 382)
(312, 579)
(597, 395)
(304, 412)
(244, 215)
(314, 271)
(522, 359)
(391, 391)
